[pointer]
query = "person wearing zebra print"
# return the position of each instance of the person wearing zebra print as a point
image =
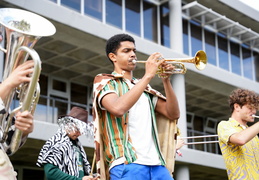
(63, 156)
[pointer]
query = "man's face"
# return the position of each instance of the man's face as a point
(73, 134)
(246, 113)
(124, 56)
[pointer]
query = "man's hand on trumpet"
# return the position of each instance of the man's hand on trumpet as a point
(152, 64)
(165, 70)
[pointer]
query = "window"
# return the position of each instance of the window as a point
(235, 58)
(114, 13)
(150, 21)
(165, 29)
(223, 53)
(94, 8)
(185, 37)
(133, 16)
(74, 4)
(196, 38)
(79, 94)
(256, 61)
(210, 47)
(247, 63)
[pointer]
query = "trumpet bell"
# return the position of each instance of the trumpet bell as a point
(200, 60)
(26, 22)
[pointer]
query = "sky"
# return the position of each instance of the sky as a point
(252, 3)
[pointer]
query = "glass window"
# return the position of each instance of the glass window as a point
(223, 53)
(247, 63)
(256, 61)
(74, 4)
(150, 21)
(58, 107)
(41, 112)
(185, 37)
(165, 30)
(43, 84)
(235, 58)
(196, 38)
(210, 47)
(133, 16)
(41, 108)
(94, 8)
(114, 12)
(78, 94)
(59, 85)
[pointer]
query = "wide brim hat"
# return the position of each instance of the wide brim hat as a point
(77, 119)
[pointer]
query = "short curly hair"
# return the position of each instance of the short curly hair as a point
(113, 44)
(243, 97)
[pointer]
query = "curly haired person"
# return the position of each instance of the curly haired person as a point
(238, 142)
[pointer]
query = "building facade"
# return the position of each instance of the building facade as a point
(227, 30)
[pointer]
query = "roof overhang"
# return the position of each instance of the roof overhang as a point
(218, 23)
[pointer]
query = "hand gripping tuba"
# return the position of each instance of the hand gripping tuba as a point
(21, 30)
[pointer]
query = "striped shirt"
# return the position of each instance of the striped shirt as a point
(165, 127)
(117, 142)
(242, 162)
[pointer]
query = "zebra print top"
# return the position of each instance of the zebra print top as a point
(58, 150)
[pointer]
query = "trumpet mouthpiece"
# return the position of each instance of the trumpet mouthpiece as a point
(134, 61)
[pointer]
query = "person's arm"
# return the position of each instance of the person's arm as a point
(168, 108)
(245, 136)
(54, 173)
(118, 106)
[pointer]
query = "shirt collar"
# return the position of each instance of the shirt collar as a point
(237, 124)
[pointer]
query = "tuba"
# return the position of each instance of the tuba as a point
(21, 30)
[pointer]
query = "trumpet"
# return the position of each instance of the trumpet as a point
(199, 60)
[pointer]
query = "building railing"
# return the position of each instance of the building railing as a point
(49, 107)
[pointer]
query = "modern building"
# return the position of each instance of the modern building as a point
(227, 30)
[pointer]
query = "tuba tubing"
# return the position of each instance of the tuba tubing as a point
(30, 99)
(22, 29)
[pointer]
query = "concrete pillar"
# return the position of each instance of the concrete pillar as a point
(182, 173)
(176, 42)
(179, 89)
(175, 24)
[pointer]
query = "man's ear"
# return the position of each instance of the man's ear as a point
(112, 57)
(236, 106)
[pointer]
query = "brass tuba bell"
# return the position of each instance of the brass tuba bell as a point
(21, 30)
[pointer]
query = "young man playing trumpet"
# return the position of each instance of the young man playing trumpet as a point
(238, 142)
(125, 115)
